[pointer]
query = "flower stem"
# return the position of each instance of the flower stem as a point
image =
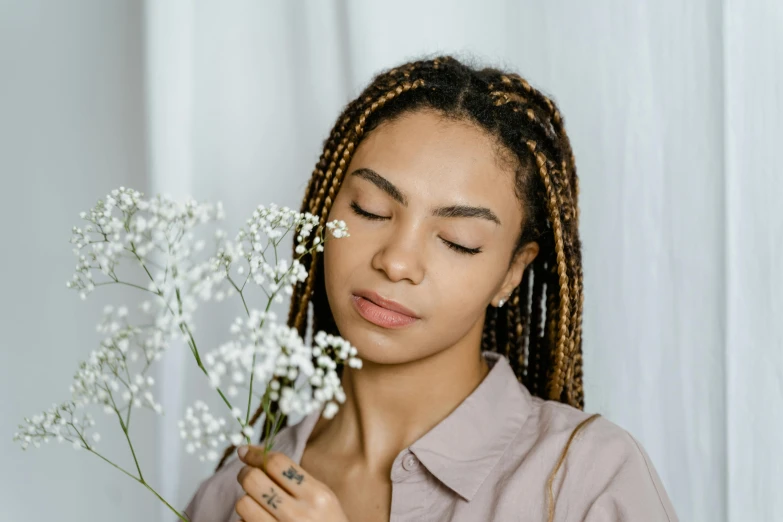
(127, 436)
(138, 479)
(253, 366)
(142, 482)
(117, 282)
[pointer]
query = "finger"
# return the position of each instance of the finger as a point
(249, 511)
(268, 494)
(280, 468)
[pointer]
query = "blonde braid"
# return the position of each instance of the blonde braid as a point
(556, 385)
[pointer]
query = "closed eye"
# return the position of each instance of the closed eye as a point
(360, 211)
(374, 217)
(461, 249)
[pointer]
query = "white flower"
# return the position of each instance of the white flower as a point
(60, 422)
(330, 410)
(261, 254)
(159, 244)
(277, 356)
(110, 373)
(155, 233)
(202, 431)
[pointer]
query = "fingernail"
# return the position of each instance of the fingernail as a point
(242, 451)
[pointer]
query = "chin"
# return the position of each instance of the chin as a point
(377, 347)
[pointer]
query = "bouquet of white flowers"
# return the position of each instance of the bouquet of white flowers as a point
(264, 361)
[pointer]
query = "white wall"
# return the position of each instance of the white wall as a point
(72, 128)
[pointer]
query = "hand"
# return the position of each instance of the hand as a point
(281, 490)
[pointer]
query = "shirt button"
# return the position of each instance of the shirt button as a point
(410, 462)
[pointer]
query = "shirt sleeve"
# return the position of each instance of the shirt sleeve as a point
(615, 478)
(216, 496)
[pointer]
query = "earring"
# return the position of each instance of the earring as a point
(503, 301)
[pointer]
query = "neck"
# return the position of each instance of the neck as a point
(388, 407)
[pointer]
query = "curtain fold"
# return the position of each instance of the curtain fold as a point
(753, 84)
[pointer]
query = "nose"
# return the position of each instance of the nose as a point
(400, 256)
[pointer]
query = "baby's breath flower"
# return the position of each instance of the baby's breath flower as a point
(114, 376)
(203, 432)
(61, 423)
(159, 240)
(158, 237)
(256, 245)
(278, 358)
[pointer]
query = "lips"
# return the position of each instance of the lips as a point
(388, 304)
(382, 312)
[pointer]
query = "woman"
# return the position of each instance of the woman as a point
(461, 287)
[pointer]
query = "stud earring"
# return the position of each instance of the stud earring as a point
(503, 301)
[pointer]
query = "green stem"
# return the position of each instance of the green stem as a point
(141, 261)
(180, 515)
(125, 431)
(133, 452)
(138, 479)
(252, 367)
(142, 482)
(118, 282)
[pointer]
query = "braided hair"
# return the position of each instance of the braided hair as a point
(539, 331)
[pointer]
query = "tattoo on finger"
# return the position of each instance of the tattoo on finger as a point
(291, 474)
(272, 498)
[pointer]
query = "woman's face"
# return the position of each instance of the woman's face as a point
(445, 266)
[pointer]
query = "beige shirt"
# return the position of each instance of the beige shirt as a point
(490, 460)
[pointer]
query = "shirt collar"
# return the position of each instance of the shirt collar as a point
(463, 448)
(486, 422)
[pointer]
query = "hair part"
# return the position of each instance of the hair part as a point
(539, 330)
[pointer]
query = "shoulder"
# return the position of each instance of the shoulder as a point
(586, 431)
(603, 463)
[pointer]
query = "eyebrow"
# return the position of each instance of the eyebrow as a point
(448, 211)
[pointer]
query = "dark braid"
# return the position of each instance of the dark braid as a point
(521, 362)
(539, 330)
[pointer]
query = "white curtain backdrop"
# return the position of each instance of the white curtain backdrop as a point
(753, 134)
(675, 111)
(72, 128)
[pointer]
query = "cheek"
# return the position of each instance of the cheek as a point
(340, 261)
(462, 290)
(333, 263)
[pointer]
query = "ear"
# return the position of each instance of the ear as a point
(513, 277)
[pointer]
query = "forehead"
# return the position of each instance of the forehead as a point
(429, 156)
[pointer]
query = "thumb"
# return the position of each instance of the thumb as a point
(253, 455)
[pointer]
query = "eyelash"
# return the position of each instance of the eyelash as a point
(372, 217)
